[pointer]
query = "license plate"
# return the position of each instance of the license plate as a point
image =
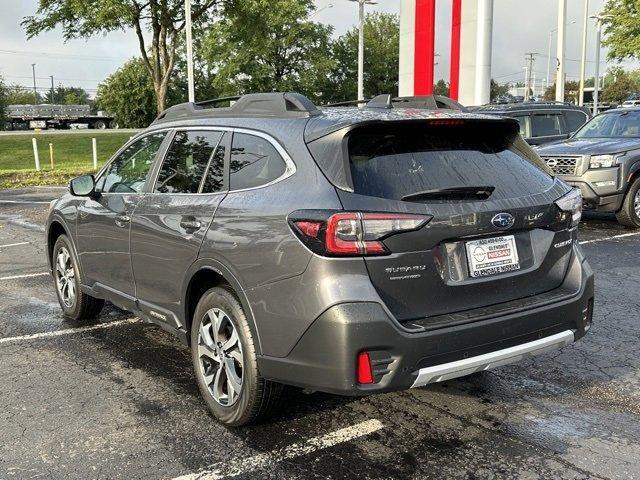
(491, 256)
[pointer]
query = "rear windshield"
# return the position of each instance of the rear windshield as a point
(400, 161)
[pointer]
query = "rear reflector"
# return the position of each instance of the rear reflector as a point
(365, 372)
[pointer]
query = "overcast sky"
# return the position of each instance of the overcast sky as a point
(519, 26)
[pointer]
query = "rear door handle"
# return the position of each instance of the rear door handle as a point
(122, 220)
(191, 225)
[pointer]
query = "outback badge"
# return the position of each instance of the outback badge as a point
(503, 221)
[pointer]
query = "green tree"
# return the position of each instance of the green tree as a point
(158, 25)
(622, 29)
(67, 96)
(128, 95)
(619, 89)
(571, 89)
(19, 95)
(381, 59)
(267, 45)
(441, 88)
(3, 104)
(497, 90)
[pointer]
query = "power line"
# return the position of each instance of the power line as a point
(66, 56)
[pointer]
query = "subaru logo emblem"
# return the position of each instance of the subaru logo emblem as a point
(503, 221)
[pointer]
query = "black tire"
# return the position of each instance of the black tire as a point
(99, 125)
(84, 306)
(257, 397)
(627, 215)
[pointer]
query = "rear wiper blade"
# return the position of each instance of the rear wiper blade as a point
(453, 193)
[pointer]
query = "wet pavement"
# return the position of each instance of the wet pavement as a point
(115, 398)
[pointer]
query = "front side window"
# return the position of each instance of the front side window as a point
(186, 162)
(545, 125)
(254, 162)
(128, 172)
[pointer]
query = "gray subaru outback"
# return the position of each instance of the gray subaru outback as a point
(346, 250)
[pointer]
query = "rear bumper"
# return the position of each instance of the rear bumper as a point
(325, 357)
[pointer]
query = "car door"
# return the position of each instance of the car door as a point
(170, 222)
(547, 126)
(103, 223)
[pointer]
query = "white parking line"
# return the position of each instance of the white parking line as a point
(27, 275)
(23, 201)
(14, 244)
(244, 466)
(622, 235)
(69, 331)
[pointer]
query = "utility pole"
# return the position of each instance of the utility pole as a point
(562, 20)
(361, 4)
(583, 59)
(35, 91)
(187, 16)
(530, 57)
(51, 100)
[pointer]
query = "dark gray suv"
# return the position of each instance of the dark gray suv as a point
(346, 250)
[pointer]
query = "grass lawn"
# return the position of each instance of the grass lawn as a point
(72, 155)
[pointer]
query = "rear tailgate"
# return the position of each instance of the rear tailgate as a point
(510, 225)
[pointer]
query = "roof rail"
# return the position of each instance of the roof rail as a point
(387, 101)
(276, 104)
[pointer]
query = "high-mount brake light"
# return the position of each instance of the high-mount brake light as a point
(355, 233)
(447, 122)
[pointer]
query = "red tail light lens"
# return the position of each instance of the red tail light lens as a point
(356, 233)
(364, 374)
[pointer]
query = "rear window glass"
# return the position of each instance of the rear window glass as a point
(544, 125)
(400, 161)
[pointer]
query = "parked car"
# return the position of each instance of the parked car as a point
(602, 159)
(345, 250)
(630, 103)
(541, 122)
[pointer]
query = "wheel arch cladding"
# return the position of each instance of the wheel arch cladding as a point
(55, 230)
(205, 278)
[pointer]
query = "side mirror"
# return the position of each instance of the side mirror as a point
(83, 186)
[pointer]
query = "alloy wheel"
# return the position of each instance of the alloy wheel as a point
(65, 277)
(220, 354)
(636, 204)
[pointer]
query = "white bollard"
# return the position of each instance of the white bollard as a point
(95, 154)
(35, 154)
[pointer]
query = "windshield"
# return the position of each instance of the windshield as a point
(614, 124)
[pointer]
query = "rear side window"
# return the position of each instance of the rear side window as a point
(574, 119)
(254, 162)
(523, 120)
(186, 161)
(402, 161)
(546, 124)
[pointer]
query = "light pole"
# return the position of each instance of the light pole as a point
(596, 84)
(51, 100)
(583, 59)
(361, 4)
(330, 5)
(35, 93)
(560, 49)
(551, 32)
(187, 17)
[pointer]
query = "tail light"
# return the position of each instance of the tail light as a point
(352, 233)
(571, 205)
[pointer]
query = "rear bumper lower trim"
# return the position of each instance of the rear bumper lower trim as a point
(467, 366)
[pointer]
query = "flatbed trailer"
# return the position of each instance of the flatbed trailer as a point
(60, 117)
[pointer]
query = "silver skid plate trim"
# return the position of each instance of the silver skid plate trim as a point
(467, 366)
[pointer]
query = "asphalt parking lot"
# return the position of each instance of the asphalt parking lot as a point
(116, 398)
